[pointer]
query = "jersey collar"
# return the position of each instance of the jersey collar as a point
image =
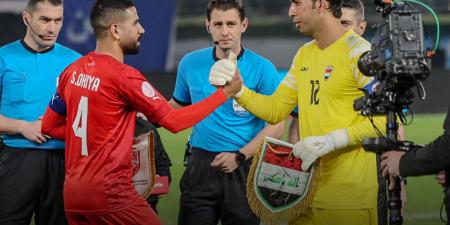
(34, 51)
(238, 56)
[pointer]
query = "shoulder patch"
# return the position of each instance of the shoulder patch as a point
(148, 90)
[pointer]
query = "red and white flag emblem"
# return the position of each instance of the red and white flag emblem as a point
(327, 73)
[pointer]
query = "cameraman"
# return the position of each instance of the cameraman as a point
(431, 159)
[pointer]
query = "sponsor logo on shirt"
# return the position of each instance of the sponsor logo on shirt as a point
(327, 73)
(148, 91)
(239, 110)
(304, 69)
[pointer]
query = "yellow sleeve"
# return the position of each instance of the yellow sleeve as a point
(273, 108)
(359, 46)
(365, 129)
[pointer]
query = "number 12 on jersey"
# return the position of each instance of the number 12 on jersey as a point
(80, 129)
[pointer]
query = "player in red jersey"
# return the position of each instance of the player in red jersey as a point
(98, 97)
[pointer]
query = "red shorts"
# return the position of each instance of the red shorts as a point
(138, 213)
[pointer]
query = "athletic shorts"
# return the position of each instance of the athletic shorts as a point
(138, 213)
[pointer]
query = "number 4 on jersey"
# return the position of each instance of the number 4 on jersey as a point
(80, 129)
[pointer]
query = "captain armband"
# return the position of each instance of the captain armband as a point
(58, 105)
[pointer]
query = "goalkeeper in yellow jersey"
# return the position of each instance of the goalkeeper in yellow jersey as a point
(323, 80)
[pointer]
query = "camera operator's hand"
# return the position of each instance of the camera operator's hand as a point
(440, 178)
(390, 163)
(311, 148)
(390, 166)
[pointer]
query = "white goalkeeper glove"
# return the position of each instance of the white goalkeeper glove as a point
(223, 70)
(311, 148)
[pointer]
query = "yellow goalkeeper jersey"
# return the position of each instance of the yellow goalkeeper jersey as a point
(324, 83)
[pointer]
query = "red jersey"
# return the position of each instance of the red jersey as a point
(101, 97)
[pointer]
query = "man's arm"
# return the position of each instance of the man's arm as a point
(430, 159)
(174, 104)
(275, 131)
(160, 112)
(30, 130)
(273, 108)
(226, 161)
(293, 135)
(54, 121)
(54, 124)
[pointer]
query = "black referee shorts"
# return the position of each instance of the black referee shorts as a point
(31, 181)
(209, 195)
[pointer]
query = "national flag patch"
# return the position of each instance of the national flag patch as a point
(327, 73)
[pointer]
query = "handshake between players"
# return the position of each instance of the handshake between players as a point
(309, 149)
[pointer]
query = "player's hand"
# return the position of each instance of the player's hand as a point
(32, 131)
(440, 178)
(223, 70)
(225, 161)
(234, 87)
(311, 148)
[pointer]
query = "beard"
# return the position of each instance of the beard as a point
(132, 47)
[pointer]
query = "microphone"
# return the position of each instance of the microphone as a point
(32, 30)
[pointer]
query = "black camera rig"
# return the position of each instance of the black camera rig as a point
(398, 62)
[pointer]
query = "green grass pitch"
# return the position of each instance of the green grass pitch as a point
(424, 194)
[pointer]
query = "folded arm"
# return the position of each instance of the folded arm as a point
(54, 120)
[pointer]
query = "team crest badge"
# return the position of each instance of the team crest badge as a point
(277, 189)
(327, 73)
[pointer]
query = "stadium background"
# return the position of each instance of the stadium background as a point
(174, 28)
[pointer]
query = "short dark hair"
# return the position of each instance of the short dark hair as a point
(356, 5)
(225, 5)
(31, 5)
(335, 7)
(105, 11)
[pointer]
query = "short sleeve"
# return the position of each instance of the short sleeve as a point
(181, 93)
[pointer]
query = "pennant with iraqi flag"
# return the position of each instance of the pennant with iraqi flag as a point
(277, 189)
